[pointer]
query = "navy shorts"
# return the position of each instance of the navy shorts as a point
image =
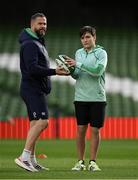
(90, 112)
(36, 103)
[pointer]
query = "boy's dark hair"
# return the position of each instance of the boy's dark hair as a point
(34, 16)
(89, 29)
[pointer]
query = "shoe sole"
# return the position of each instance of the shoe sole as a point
(93, 170)
(83, 169)
(20, 164)
(78, 169)
(41, 169)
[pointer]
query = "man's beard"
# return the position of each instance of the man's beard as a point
(40, 35)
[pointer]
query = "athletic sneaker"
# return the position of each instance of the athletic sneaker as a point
(79, 166)
(93, 166)
(39, 167)
(25, 165)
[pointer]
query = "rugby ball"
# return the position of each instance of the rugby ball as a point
(61, 62)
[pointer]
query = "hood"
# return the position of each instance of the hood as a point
(26, 35)
(97, 48)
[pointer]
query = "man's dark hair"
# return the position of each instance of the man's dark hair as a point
(34, 16)
(86, 29)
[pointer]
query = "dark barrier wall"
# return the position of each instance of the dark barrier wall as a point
(76, 12)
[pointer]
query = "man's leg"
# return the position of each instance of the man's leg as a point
(34, 162)
(35, 130)
(32, 123)
(33, 157)
(94, 142)
(80, 142)
(34, 133)
(81, 132)
(27, 153)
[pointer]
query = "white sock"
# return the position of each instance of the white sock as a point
(33, 159)
(26, 155)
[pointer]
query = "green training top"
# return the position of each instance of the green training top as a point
(90, 75)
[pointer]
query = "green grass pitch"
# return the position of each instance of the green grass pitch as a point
(118, 159)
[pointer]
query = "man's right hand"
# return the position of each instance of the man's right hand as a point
(61, 71)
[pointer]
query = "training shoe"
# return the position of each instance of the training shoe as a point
(79, 166)
(93, 166)
(25, 165)
(39, 167)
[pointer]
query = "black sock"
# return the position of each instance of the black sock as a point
(92, 160)
(82, 161)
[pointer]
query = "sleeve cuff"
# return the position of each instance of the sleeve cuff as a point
(53, 71)
(78, 64)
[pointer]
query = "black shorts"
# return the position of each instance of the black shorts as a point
(90, 112)
(36, 103)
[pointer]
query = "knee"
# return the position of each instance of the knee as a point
(82, 131)
(43, 124)
(95, 131)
